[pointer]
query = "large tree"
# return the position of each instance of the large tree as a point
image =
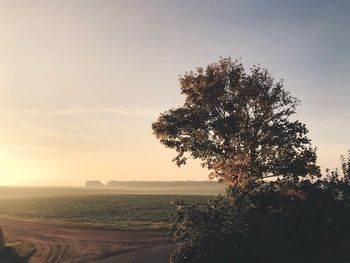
(237, 123)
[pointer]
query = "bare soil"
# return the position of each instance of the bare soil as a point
(157, 254)
(58, 243)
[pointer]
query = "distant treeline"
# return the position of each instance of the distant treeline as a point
(150, 184)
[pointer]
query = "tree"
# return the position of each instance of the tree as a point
(238, 124)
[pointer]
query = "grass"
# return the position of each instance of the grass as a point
(110, 211)
(18, 252)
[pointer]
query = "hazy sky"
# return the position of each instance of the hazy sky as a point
(82, 81)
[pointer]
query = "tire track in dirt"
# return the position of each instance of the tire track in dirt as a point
(57, 243)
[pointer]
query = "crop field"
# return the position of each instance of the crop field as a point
(20, 192)
(109, 211)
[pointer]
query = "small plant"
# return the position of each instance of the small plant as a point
(18, 252)
(2, 241)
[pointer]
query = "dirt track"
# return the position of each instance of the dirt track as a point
(157, 254)
(56, 243)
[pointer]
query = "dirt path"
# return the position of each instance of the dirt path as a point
(157, 254)
(56, 243)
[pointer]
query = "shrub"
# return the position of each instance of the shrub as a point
(283, 220)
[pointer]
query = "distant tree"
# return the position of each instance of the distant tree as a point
(237, 123)
(93, 183)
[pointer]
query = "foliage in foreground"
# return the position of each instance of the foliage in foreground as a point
(18, 252)
(285, 220)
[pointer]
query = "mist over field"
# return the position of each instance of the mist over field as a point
(174, 188)
(121, 205)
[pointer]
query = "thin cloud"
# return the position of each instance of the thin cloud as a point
(136, 112)
(36, 148)
(310, 36)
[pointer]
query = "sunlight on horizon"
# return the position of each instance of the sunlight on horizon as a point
(81, 82)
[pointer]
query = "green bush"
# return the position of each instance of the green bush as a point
(283, 220)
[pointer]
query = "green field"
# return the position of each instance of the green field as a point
(21, 192)
(110, 211)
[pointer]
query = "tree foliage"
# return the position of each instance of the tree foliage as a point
(345, 164)
(238, 124)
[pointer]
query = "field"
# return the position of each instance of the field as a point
(119, 208)
(93, 225)
(20, 192)
(108, 211)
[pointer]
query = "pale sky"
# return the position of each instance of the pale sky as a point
(82, 81)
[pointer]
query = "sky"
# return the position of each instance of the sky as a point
(82, 81)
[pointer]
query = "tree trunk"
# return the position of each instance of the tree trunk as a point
(2, 241)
